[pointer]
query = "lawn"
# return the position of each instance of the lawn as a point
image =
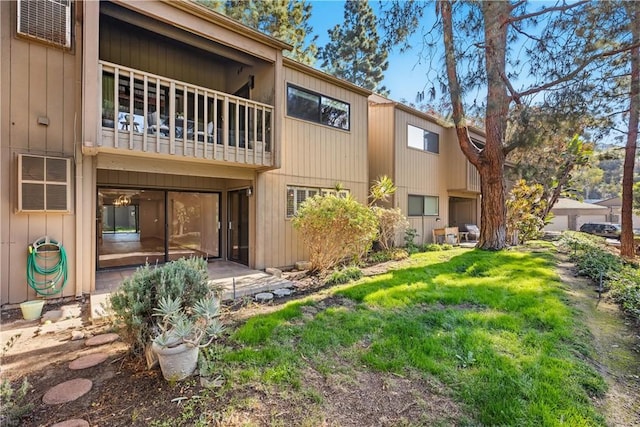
(492, 329)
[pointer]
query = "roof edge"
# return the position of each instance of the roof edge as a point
(291, 63)
(228, 23)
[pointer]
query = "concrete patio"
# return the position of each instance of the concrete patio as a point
(236, 281)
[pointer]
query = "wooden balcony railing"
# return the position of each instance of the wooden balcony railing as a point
(149, 113)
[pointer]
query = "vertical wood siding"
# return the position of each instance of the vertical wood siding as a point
(313, 155)
(381, 148)
(37, 81)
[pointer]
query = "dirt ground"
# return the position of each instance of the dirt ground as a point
(124, 393)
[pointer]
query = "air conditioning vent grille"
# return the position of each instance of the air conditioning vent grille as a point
(47, 20)
(44, 184)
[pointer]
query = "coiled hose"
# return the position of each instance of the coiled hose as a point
(41, 252)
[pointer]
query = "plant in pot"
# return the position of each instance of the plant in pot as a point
(182, 332)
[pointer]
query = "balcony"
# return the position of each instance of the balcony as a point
(147, 114)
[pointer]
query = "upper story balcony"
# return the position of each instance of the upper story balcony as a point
(146, 113)
(178, 81)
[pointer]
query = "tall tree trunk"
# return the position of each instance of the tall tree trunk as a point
(490, 160)
(626, 238)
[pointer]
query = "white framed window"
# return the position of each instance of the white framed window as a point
(423, 205)
(44, 184)
(423, 139)
(297, 195)
(46, 20)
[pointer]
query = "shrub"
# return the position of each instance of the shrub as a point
(525, 207)
(14, 405)
(345, 275)
(139, 294)
(335, 229)
(409, 244)
(391, 223)
(431, 247)
(592, 259)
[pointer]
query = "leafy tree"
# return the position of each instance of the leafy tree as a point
(354, 52)
(287, 20)
(487, 45)
(550, 149)
(526, 207)
(586, 179)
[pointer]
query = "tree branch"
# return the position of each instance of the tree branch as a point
(515, 96)
(575, 72)
(469, 150)
(547, 10)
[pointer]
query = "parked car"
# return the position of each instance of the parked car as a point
(604, 229)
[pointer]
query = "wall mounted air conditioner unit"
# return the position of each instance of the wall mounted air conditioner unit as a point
(46, 20)
(44, 184)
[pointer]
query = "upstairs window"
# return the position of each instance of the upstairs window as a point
(423, 139)
(46, 20)
(306, 105)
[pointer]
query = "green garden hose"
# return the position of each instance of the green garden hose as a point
(41, 252)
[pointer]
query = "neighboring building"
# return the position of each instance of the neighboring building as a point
(136, 132)
(615, 211)
(437, 185)
(570, 214)
(147, 131)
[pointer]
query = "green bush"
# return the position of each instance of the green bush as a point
(140, 293)
(14, 405)
(345, 275)
(335, 229)
(431, 247)
(409, 237)
(591, 259)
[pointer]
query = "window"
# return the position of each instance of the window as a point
(46, 20)
(423, 139)
(423, 205)
(43, 184)
(313, 107)
(297, 195)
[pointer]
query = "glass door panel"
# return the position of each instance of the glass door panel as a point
(193, 224)
(239, 227)
(130, 227)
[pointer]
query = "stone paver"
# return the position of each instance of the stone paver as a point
(282, 292)
(67, 391)
(264, 296)
(72, 423)
(102, 339)
(88, 361)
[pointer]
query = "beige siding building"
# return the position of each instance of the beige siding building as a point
(437, 186)
(138, 132)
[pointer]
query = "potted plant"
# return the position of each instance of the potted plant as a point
(182, 333)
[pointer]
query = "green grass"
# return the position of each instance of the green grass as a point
(492, 326)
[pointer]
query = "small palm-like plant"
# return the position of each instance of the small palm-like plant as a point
(197, 326)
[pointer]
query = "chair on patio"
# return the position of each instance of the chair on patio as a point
(473, 232)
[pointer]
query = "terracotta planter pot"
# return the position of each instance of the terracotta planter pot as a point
(177, 363)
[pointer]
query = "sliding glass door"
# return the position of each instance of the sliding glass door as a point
(136, 226)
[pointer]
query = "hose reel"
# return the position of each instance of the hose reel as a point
(47, 266)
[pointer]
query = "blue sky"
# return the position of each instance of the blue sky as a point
(405, 77)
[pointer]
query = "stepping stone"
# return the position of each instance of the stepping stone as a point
(282, 292)
(88, 361)
(264, 296)
(102, 339)
(72, 423)
(67, 391)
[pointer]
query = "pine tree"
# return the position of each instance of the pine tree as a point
(286, 20)
(355, 52)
